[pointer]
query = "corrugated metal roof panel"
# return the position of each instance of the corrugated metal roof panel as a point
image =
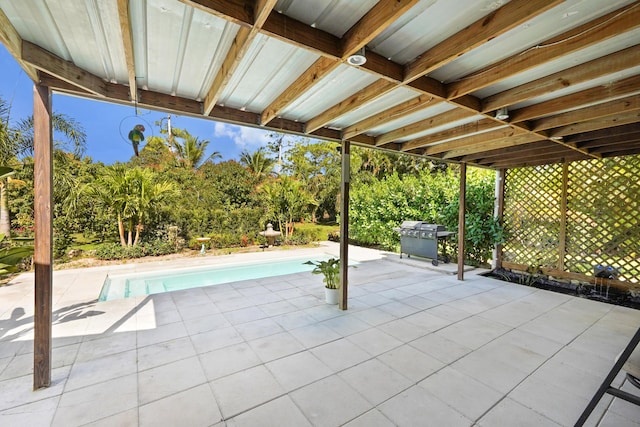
(419, 115)
(382, 103)
(259, 80)
(599, 50)
(427, 24)
(549, 24)
(332, 16)
(338, 85)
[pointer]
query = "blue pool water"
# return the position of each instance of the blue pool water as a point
(117, 287)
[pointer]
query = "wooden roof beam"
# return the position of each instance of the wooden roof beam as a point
(236, 11)
(525, 154)
(621, 88)
(606, 133)
(423, 125)
(450, 134)
(596, 124)
(13, 42)
(498, 22)
(601, 142)
(631, 103)
(507, 141)
(606, 65)
(504, 132)
(390, 114)
(127, 44)
(64, 70)
(622, 20)
(366, 29)
(541, 160)
(613, 148)
(502, 152)
(242, 41)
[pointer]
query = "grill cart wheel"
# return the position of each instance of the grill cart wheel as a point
(434, 262)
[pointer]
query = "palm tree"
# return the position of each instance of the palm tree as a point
(8, 151)
(257, 162)
(191, 150)
(131, 194)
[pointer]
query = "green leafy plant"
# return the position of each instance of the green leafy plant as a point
(330, 269)
(10, 257)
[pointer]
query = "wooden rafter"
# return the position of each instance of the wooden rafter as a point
(450, 134)
(597, 124)
(606, 65)
(483, 30)
(507, 141)
(127, 43)
(239, 46)
(236, 11)
(477, 139)
(393, 113)
(596, 31)
(423, 125)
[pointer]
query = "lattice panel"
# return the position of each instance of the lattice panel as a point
(532, 215)
(602, 216)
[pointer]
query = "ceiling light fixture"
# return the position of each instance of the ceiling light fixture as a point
(502, 113)
(358, 58)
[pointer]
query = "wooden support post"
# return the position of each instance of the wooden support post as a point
(344, 225)
(461, 212)
(562, 240)
(43, 253)
(499, 211)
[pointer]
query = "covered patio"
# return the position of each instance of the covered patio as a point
(416, 347)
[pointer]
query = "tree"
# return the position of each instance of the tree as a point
(287, 201)
(130, 193)
(190, 150)
(257, 162)
(9, 149)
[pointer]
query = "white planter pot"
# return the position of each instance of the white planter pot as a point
(331, 295)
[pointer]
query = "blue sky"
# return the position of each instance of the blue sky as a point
(107, 125)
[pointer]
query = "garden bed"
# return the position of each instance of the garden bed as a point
(603, 293)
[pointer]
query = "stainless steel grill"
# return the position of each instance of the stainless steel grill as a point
(421, 239)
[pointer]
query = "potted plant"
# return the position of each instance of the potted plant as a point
(331, 271)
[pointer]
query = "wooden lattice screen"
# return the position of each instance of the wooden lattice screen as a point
(575, 216)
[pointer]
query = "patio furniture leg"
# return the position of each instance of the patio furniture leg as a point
(606, 384)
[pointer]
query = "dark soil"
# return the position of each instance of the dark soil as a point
(595, 292)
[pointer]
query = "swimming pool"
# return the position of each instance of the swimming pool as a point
(127, 286)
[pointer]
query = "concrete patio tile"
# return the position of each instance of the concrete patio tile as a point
(110, 344)
(244, 315)
(441, 348)
(158, 318)
(513, 314)
(625, 409)
(399, 308)
(486, 369)
(412, 363)
(228, 360)
(258, 329)
(463, 393)
(612, 419)
(213, 340)
(375, 381)
(428, 321)
(447, 312)
(419, 302)
(206, 323)
(586, 361)
(194, 408)
(473, 332)
(278, 307)
(197, 310)
(161, 333)
(395, 294)
(298, 370)
(403, 330)
(372, 299)
(373, 418)
(346, 325)
(164, 352)
(294, 319)
(244, 390)
(103, 369)
(36, 414)
(551, 401)
(128, 418)
(305, 301)
(281, 412)
(340, 354)
(323, 312)
(233, 304)
(275, 346)
(569, 378)
(517, 414)
(19, 391)
(416, 406)
(374, 342)
(80, 406)
(162, 381)
(375, 316)
(314, 335)
(22, 364)
(330, 402)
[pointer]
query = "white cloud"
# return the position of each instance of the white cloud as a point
(243, 137)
